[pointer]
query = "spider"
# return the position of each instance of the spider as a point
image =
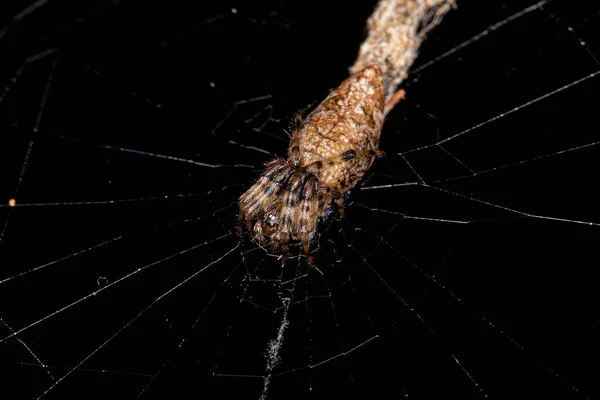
(329, 152)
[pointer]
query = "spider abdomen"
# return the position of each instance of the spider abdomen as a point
(348, 120)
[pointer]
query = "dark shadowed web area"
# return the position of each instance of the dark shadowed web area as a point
(465, 265)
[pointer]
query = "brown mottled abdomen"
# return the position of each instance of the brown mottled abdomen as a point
(343, 131)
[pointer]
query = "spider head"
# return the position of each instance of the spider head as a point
(283, 206)
(267, 225)
(271, 222)
(264, 223)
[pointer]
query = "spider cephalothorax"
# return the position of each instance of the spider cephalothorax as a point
(285, 203)
(329, 153)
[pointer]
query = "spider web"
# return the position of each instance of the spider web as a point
(464, 265)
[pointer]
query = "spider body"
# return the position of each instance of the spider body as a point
(330, 151)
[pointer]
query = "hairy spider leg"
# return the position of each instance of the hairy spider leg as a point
(292, 198)
(310, 189)
(339, 200)
(392, 101)
(268, 184)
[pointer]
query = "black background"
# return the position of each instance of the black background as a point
(511, 295)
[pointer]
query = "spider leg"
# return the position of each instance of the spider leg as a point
(284, 246)
(391, 103)
(281, 239)
(309, 192)
(290, 212)
(377, 153)
(304, 237)
(295, 155)
(314, 167)
(324, 201)
(253, 201)
(327, 199)
(339, 200)
(273, 173)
